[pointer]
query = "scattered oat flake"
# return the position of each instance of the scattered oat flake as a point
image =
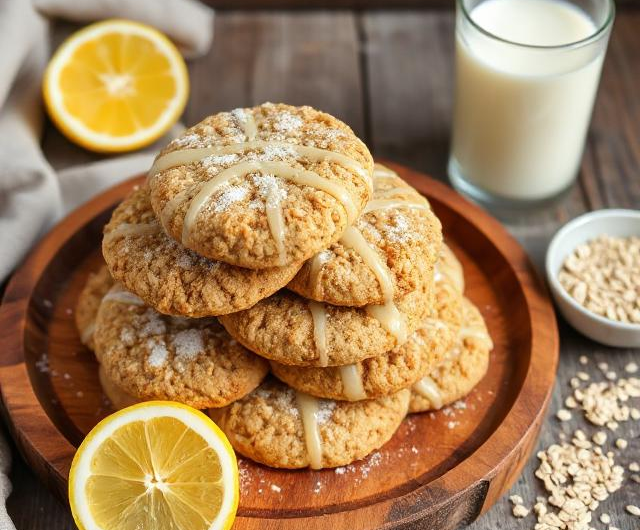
(633, 510)
(583, 359)
(634, 466)
(631, 368)
(516, 499)
(621, 443)
(563, 415)
(604, 518)
(520, 511)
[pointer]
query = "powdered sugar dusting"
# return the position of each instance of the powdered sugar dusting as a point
(158, 352)
(229, 196)
(283, 399)
(188, 343)
(214, 162)
(399, 230)
(268, 188)
(190, 141)
(154, 324)
(325, 410)
(277, 152)
(287, 122)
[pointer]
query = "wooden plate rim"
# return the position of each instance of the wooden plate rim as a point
(55, 455)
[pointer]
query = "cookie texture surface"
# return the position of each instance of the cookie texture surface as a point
(119, 398)
(267, 426)
(173, 279)
(388, 373)
(264, 216)
(399, 226)
(463, 368)
(98, 284)
(282, 328)
(153, 356)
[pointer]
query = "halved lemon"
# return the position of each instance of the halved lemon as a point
(115, 86)
(156, 465)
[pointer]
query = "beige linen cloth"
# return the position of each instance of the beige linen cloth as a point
(32, 195)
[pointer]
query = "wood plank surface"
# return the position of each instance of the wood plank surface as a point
(389, 74)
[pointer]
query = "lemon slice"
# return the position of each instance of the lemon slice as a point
(115, 86)
(156, 465)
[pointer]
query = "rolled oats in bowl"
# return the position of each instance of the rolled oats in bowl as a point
(603, 276)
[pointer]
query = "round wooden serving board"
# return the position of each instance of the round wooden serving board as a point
(439, 471)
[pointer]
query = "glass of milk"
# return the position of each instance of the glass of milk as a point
(527, 73)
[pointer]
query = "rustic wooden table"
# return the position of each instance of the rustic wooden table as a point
(389, 75)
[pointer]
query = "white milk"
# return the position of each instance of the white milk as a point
(522, 113)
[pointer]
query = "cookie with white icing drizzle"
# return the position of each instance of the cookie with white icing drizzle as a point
(153, 356)
(403, 237)
(293, 330)
(261, 187)
(463, 367)
(400, 368)
(173, 279)
(279, 427)
(97, 285)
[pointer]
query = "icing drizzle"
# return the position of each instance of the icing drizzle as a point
(308, 407)
(428, 389)
(352, 382)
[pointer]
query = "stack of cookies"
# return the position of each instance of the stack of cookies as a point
(266, 240)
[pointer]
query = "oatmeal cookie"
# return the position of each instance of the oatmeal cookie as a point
(388, 373)
(292, 330)
(399, 226)
(261, 187)
(153, 356)
(173, 279)
(463, 368)
(274, 426)
(98, 284)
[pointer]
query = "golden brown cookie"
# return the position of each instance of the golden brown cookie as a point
(261, 187)
(119, 398)
(292, 330)
(175, 280)
(277, 427)
(402, 231)
(153, 356)
(97, 285)
(390, 372)
(463, 368)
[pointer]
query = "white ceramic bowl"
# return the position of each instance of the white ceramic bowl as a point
(620, 223)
